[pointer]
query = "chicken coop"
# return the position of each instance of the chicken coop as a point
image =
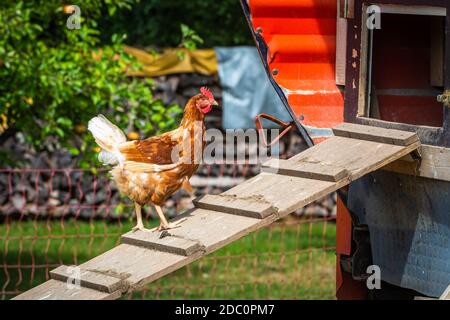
(366, 86)
(396, 56)
(382, 65)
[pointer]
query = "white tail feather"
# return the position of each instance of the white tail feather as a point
(109, 137)
(107, 157)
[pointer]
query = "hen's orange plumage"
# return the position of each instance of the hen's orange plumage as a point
(149, 171)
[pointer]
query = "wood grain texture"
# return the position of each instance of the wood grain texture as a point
(446, 294)
(215, 229)
(156, 240)
(437, 52)
(137, 265)
(285, 193)
(89, 279)
(341, 44)
(255, 207)
(375, 134)
(58, 290)
(309, 170)
(434, 164)
(358, 157)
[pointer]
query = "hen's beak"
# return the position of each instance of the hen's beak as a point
(214, 103)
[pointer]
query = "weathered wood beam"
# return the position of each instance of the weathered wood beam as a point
(309, 170)
(163, 241)
(375, 134)
(59, 290)
(89, 279)
(255, 207)
(434, 164)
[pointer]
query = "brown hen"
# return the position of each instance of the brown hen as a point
(149, 171)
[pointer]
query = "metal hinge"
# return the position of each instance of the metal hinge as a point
(444, 98)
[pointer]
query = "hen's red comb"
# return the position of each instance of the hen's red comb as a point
(207, 93)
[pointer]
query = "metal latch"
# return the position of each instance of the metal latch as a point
(444, 98)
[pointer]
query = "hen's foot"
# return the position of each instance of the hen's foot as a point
(138, 227)
(170, 225)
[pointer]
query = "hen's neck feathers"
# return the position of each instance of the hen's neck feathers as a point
(192, 113)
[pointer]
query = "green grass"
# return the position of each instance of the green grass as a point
(292, 259)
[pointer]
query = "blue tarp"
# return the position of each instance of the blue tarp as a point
(247, 91)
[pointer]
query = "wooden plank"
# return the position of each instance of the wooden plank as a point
(165, 241)
(346, 9)
(446, 294)
(141, 265)
(415, 10)
(285, 193)
(428, 135)
(288, 193)
(437, 34)
(358, 157)
(215, 229)
(251, 206)
(137, 264)
(309, 170)
(360, 59)
(89, 279)
(424, 298)
(434, 164)
(375, 134)
(402, 92)
(341, 45)
(58, 290)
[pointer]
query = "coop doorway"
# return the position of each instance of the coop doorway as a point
(403, 66)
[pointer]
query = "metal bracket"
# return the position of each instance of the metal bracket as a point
(444, 98)
(361, 257)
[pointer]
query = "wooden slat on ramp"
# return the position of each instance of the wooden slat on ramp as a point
(145, 256)
(163, 241)
(348, 159)
(388, 136)
(89, 279)
(59, 290)
(309, 170)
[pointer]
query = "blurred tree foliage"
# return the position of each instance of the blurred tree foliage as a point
(156, 22)
(54, 79)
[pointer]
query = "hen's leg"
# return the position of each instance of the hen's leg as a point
(139, 224)
(164, 224)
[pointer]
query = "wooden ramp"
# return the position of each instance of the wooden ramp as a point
(283, 187)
